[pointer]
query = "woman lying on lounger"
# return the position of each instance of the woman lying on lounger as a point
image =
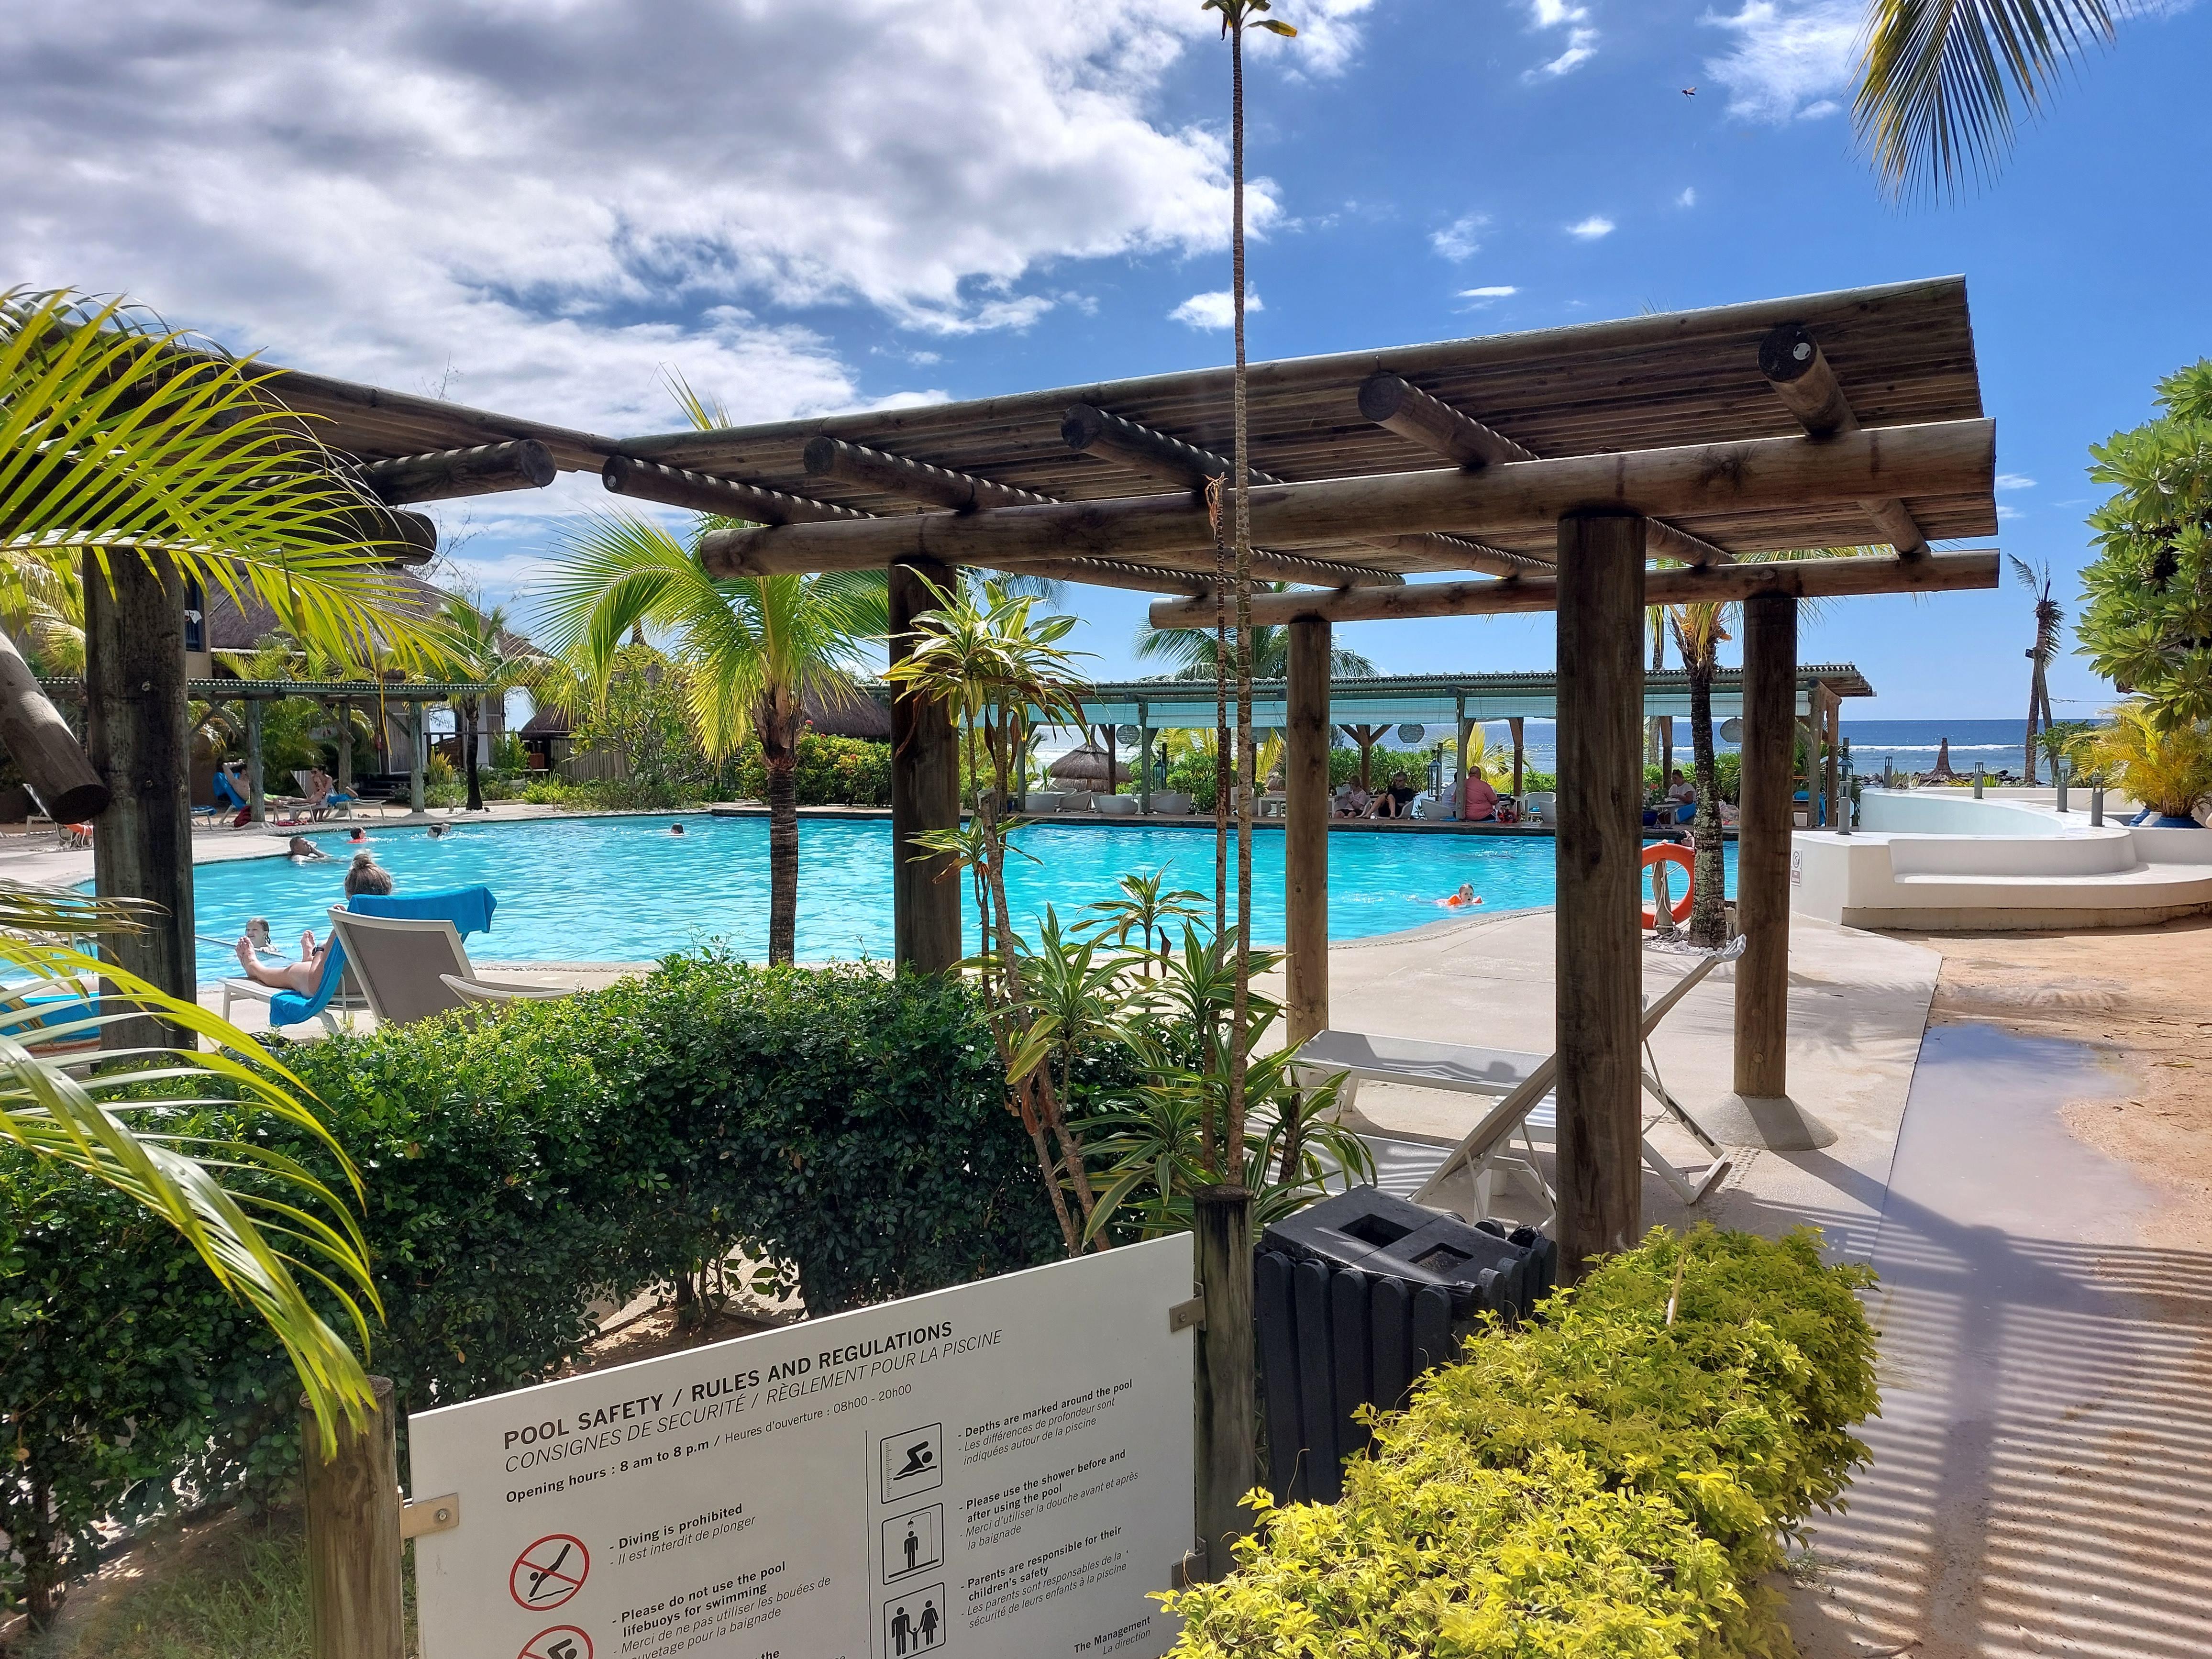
(304, 976)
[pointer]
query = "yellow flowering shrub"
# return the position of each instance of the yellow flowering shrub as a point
(1599, 1482)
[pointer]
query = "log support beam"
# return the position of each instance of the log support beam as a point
(1599, 969)
(916, 480)
(1305, 831)
(1796, 579)
(925, 791)
(45, 752)
(138, 736)
(486, 470)
(701, 492)
(1763, 833)
(1944, 457)
(1792, 360)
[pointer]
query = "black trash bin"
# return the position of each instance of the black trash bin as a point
(1356, 1296)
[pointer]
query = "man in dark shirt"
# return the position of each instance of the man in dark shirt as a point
(1396, 801)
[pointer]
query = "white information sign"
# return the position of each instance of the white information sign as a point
(998, 1471)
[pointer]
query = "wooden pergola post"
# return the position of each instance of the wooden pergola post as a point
(1144, 761)
(1833, 784)
(353, 1527)
(1763, 831)
(415, 755)
(257, 799)
(345, 746)
(1599, 967)
(1513, 725)
(1305, 829)
(137, 738)
(924, 790)
(1463, 729)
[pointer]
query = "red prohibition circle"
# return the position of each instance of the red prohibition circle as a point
(549, 1573)
(562, 1642)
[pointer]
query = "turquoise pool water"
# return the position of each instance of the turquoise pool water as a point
(624, 889)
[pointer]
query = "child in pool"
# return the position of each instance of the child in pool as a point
(1460, 900)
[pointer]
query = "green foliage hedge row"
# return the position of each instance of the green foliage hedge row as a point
(1598, 1483)
(847, 1128)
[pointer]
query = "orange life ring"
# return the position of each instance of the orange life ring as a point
(1669, 853)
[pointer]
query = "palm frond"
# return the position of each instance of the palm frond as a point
(1941, 81)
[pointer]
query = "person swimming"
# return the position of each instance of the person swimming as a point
(357, 835)
(1461, 899)
(438, 832)
(676, 828)
(303, 851)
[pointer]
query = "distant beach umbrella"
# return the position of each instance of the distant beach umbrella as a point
(1086, 765)
(1943, 759)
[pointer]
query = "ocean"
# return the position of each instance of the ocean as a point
(1912, 745)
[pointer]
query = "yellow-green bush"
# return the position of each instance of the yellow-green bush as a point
(1599, 1482)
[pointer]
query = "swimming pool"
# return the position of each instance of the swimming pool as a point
(624, 889)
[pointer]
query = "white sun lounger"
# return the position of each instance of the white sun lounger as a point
(411, 969)
(1521, 1083)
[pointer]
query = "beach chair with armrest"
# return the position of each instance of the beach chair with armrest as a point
(335, 994)
(469, 908)
(410, 967)
(1521, 1083)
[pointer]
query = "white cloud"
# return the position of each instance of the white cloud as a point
(1481, 299)
(1688, 198)
(1581, 37)
(1327, 37)
(1790, 57)
(2004, 512)
(542, 207)
(1461, 239)
(2015, 481)
(1591, 229)
(1216, 310)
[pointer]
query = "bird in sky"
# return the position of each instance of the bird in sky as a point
(1689, 92)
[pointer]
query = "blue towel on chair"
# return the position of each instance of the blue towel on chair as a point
(469, 908)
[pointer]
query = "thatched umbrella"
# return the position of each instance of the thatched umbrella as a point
(1084, 768)
(858, 715)
(1943, 759)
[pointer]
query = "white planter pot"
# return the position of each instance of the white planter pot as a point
(1115, 806)
(1170, 804)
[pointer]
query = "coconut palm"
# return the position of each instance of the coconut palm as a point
(478, 648)
(120, 439)
(1940, 80)
(1195, 655)
(751, 650)
(2036, 578)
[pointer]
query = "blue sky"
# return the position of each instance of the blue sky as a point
(810, 207)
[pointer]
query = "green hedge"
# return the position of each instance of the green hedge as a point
(1598, 1483)
(832, 772)
(845, 1126)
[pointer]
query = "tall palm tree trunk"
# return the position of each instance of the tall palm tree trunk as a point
(1708, 875)
(469, 755)
(2035, 708)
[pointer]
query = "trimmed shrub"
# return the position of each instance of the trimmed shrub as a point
(1600, 1482)
(845, 1126)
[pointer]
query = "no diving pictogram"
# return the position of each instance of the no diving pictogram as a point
(548, 1573)
(562, 1642)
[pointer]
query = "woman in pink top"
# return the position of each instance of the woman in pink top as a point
(1479, 804)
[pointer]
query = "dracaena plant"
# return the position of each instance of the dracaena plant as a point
(998, 672)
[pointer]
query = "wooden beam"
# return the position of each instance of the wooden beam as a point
(1945, 458)
(1089, 430)
(1792, 361)
(1396, 404)
(1763, 832)
(672, 486)
(486, 470)
(925, 794)
(1599, 964)
(44, 750)
(136, 733)
(896, 475)
(1306, 832)
(1810, 579)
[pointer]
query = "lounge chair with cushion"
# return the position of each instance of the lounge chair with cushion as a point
(339, 992)
(1522, 1084)
(411, 969)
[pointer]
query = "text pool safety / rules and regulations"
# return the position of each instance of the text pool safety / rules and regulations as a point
(1000, 1471)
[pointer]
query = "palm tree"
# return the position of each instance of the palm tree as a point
(479, 650)
(750, 649)
(2036, 578)
(1939, 79)
(121, 439)
(1196, 656)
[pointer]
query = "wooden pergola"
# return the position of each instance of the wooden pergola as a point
(1588, 470)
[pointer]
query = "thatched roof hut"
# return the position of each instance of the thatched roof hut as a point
(1084, 767)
